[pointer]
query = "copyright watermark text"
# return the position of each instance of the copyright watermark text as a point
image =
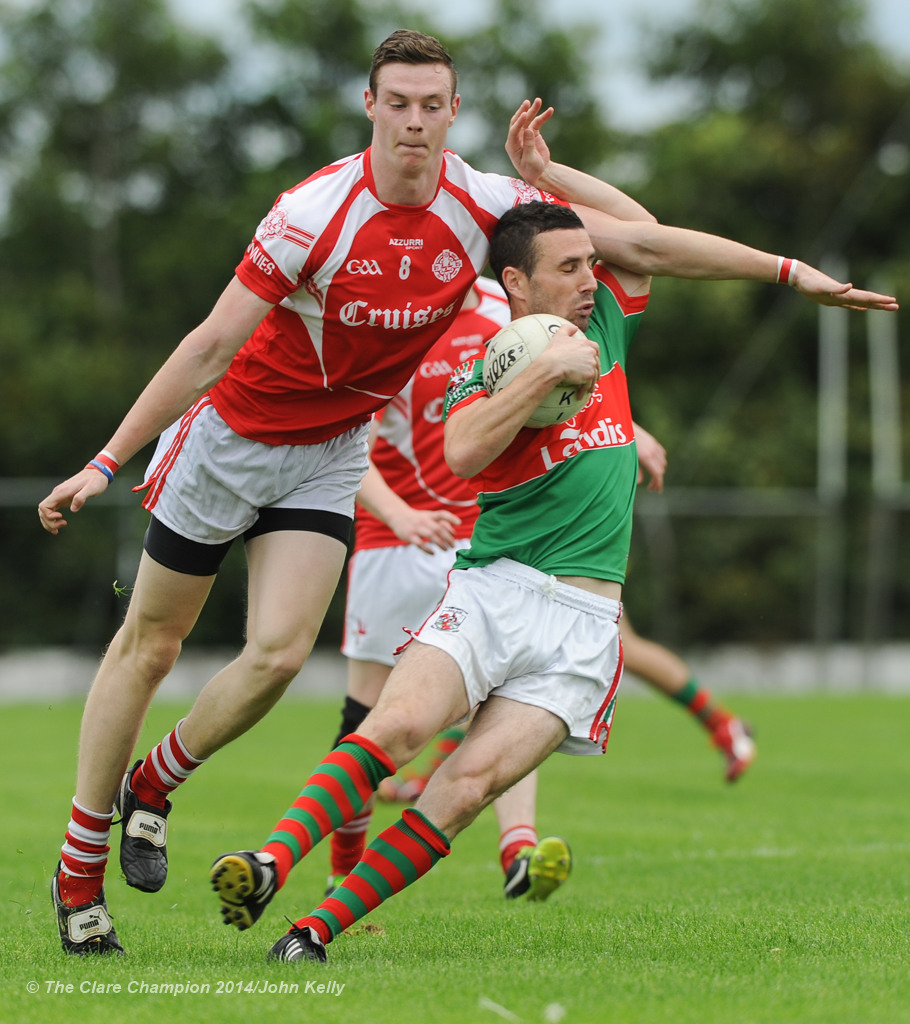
(227, 987)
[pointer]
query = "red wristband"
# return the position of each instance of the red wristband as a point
(786, 268)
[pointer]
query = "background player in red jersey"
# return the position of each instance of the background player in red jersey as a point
(412, 514)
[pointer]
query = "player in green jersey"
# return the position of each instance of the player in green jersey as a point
(528, 630)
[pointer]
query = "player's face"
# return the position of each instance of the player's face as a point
(411, 113)
(563, 280)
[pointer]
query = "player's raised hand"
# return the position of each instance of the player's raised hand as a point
(825, 290)
(525, 146)
(72, 494)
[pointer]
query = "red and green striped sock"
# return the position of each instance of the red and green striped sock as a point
(699, 703)
(398, 856)
(446, 743)
(335, 793)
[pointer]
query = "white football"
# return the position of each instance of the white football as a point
(513, 349)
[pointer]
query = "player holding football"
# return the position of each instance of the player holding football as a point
(412, 514)
(528, 631)
(656, 665)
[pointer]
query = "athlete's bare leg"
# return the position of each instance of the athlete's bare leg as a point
(163, 608)
(655, 664)
(488, 762)
(518, 804)
(424, 694)
(293, 575)
(366, 680)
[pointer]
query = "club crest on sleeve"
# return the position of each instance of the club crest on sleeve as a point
(461, 376)
(526, 193)
(449, 619)
(274, 224)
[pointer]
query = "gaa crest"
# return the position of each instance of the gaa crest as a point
(446, 265)
(461, 375)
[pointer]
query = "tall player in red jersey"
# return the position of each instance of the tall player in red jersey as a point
(262, 414)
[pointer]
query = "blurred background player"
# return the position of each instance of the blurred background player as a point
(665, 671)
(659, 667)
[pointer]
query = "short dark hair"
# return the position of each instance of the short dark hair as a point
(513, 243)
(407, 46)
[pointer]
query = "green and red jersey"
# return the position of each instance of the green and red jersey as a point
(559, 499)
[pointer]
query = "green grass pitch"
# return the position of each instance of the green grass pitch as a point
(782, 898)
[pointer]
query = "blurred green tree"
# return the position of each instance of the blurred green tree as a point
(109, 122)
(795, 141)
(139, 158)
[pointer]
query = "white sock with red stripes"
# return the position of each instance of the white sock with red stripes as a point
(165, 767)
(513, 841)
(84, 855)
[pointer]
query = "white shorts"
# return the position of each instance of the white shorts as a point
(207, 483)
(521, 634)
(390, 590)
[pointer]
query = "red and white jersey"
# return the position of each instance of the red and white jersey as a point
(409, 446)
(362, 290)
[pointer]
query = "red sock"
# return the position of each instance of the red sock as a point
(349, 841)
(513, 841)
(84, 855)
(165, 767)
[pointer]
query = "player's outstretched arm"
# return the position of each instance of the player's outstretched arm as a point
(198, 362)
(659, 250)
(663, 251)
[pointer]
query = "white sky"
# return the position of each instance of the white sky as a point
(631, 101)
